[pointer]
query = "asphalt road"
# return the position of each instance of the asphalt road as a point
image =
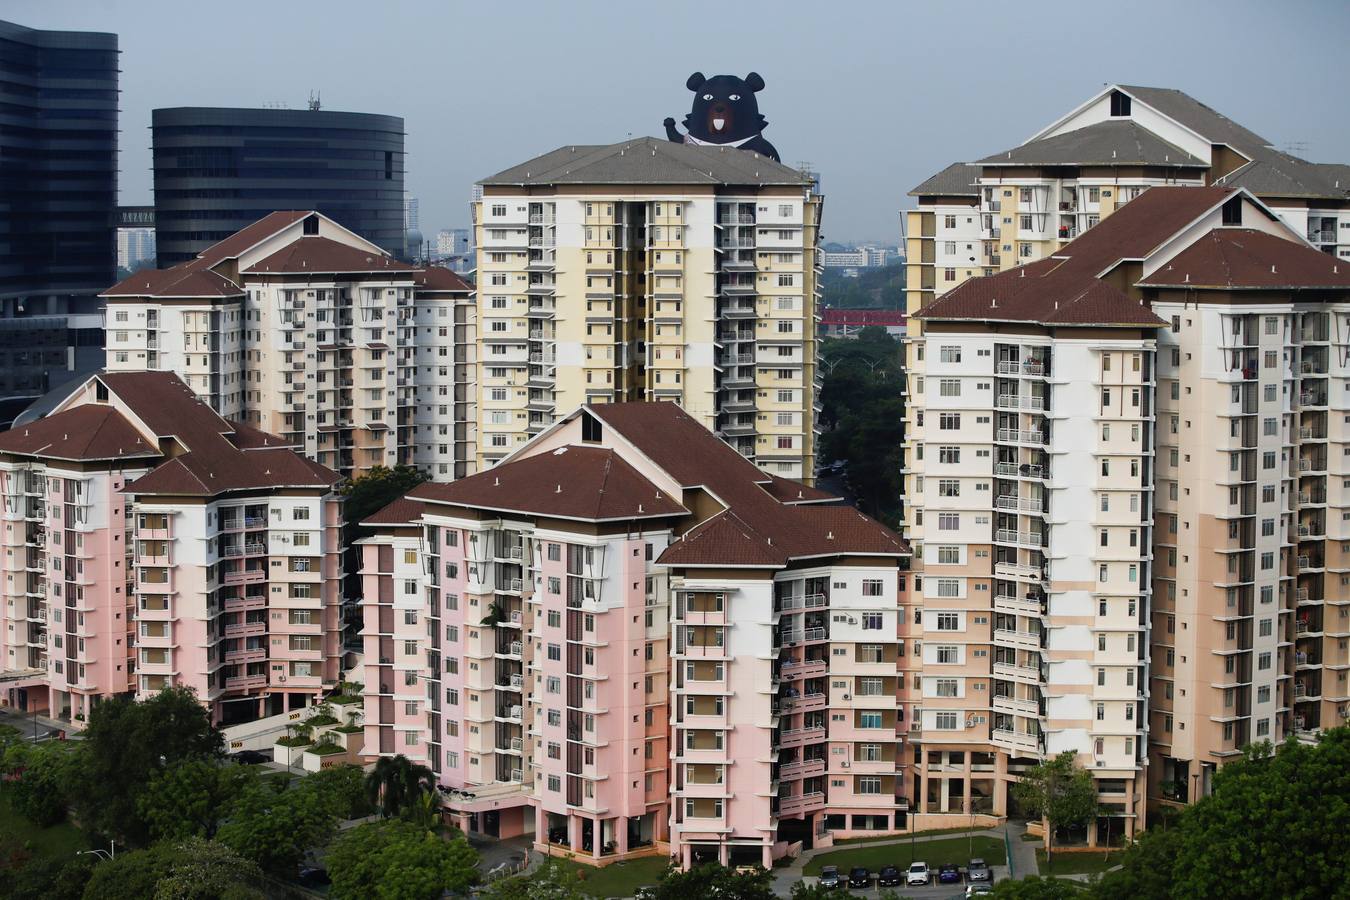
(25, 724)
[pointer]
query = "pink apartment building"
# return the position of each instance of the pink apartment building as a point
(148, 542)
(627, 639)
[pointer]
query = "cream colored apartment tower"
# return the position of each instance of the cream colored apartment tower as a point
(1030, 525)
(651, 271)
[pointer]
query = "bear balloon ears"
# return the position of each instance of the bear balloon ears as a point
(752, 81)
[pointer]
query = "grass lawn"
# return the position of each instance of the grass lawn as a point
(620, 879)
(60, 841)
(1080, 862)
(844, 842)
(935, 853)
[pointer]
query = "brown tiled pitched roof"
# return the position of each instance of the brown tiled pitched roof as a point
(403, 511)
(251, 235)
(696, 458)
(1066, 289)
(785, 490)
(183, 280)
(1246, 258)
(588, 483)
(439, 278)
(212, 463)
(321, 254)
(726, 539)
(86, 432)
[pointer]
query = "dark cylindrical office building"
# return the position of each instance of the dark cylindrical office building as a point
(217, 170)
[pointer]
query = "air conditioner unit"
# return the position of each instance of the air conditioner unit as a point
(970, 723)
(848, 697)
(843, 764)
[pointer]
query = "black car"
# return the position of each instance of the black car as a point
(949, 874)
(859, 877)
(889, 876)
(978, 870)
(250, 757)
(312, 876)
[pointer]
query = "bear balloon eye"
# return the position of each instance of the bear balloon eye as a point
(707, 96)
(735, 96)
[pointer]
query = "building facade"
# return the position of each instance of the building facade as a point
(150, 543)
(303, 328)
(217, 170)
(59, 183)
(1022, 204)
(1071, 416)
(626, 639)
(651, 270)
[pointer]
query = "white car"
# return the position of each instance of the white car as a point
(917, 874)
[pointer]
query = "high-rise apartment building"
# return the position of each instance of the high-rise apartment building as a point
(303, 328)
(651, 270)
(148, 542)
(58, 194)
(1020, 205)
(625, 638)
(217, 170)
(1120, 503)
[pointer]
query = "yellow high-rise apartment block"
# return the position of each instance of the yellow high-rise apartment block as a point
(648, 270)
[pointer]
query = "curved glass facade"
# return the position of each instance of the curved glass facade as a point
(217, 170)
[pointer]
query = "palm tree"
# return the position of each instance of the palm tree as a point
(396, 785)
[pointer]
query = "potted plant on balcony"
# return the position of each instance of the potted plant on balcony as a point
(494, 616)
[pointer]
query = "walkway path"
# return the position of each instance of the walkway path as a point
(1024, 853)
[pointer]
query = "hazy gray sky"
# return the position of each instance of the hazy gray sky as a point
(876, 95)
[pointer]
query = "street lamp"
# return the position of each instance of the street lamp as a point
(109, 855)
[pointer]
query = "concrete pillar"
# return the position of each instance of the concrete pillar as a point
(723, 853)
(767, 859)
(1000, 783)
(920, 803)
(621, 835)
(686, 857)
(574, 832)
(540, 825)
(597, 836)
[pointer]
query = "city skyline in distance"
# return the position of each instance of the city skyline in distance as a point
(839, 90)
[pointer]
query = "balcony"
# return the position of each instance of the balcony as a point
(1008, 501)
(1020, 401)
(1020, 538)
(1016, 436)
(244, 682)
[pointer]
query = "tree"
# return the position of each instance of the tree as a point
(714, 880)
(43, 775)
(187, 870)
(396, 783)
(1036, 888)
(127, 744)
(1060, 792)
(276, 826)
(1275, 823)
(344, 787)
(1146, 867)
(49, 878)
(376, 489)
(396, 860)
(192, 798)
(551, 881)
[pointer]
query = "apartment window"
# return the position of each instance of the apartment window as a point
(949, 455)
(950, 354)
(948, 274)
(949, 421)
(945, 721)
(945, 687)
(950, 556)
(949, 521)
(948, 655)
(949, 487)
(949, 387)
(949, 587)
(948, 621)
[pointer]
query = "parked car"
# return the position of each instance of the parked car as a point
(949, 874)
(829, 877)
(917, 874)
(978, 870)
(889, 876)
(312, 876)
(250, 757)
(859, 877)
(979, 889)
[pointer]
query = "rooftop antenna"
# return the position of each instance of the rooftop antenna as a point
(314, 102)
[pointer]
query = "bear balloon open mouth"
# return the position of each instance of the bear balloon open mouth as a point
(719, 124)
